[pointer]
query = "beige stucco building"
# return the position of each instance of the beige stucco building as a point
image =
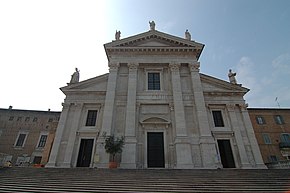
(172, 116)
(26, 136)
(272, 129)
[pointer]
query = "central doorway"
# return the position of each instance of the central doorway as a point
(155, 150)
(85, 153)
(226, 153)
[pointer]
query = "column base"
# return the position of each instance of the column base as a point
(261, 166)
(50, 165)
(65, 165)
(128, 166)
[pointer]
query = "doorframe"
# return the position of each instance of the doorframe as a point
(233, 151)
(164, 146)
(78, 151)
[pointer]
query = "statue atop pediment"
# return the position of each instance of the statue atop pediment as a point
(152, 25)
(117, 35)
(75, 76)
(187, 35)
(232, 77)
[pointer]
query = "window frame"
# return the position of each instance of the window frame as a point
(282, 139)
(154, 70)
(216, 121)
(279, 120)
(24, 140)
(91, 121)
(266, 138)
(260, 120)
(273, 158)
(40, 141)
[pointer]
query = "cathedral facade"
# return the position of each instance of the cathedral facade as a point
(171, 115)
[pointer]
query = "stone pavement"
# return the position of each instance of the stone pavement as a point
(154, 180)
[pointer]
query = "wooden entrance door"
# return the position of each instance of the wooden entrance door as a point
(226, 154)
(155, 150)
(85, 153)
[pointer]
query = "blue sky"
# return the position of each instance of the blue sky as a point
(41, 42)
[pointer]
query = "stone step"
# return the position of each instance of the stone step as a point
(102, 180)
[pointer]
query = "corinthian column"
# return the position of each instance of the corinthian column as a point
(107, 115)
(207, 143)
(182, 144)
(129, 152)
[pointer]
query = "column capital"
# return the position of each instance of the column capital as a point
(174, 66)
(194, 67)
(243, 106)
(231, 107)
(65, 105)
(114, 65)
(132, 66)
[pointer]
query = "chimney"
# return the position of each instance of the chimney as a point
(10, 107)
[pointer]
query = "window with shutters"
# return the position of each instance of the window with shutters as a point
(266, 138)
(279, 119)
(260, 120)
(42, 141)
(20, 140)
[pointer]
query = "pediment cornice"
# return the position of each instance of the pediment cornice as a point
(154, 42)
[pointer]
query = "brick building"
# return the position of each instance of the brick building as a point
(26, 136)
(272, 130)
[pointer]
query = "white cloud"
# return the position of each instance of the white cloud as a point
(264, 88)
(282, 63)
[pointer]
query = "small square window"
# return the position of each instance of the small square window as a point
(50, 119)
(35, 119)
(279, 119)
(19, 118)
(260, 120)
(11, 118)
(273, 158)
(27, 119)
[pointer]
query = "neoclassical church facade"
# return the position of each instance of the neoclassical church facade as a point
(171, 115)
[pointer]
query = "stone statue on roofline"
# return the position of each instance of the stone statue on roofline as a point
(187, 35)
(152, 25)
(117, 35)
(75, 76)
(232, 77)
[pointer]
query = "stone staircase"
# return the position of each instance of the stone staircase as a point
(155, 180)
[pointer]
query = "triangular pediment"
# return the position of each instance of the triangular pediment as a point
(154, 41)
(96, 84)
(154, 38)
(214, 85)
